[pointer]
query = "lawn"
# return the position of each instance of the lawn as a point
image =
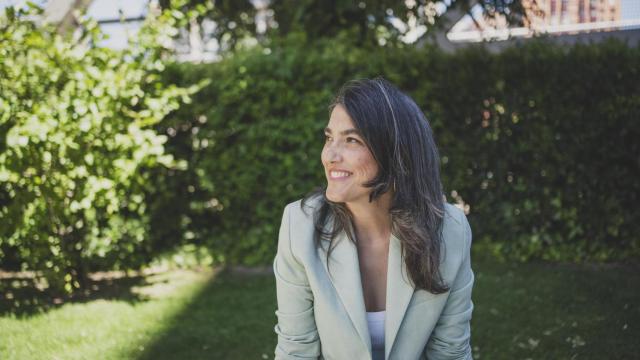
(535, 310)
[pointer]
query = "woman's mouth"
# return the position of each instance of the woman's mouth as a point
(338, 174)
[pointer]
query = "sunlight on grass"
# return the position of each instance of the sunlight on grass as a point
(103, 329)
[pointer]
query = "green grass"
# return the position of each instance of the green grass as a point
(536, 311)
(556, 311)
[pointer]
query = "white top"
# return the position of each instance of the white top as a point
(375, 320)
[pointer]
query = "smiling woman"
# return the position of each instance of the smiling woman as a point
(375, 265)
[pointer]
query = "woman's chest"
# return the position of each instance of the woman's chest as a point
(373, 275)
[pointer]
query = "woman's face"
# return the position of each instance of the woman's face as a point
(347, 161)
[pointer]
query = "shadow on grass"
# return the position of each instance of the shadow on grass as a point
(21, 296)
(231, 317)
(556, 311)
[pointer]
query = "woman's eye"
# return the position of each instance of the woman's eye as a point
(353, 140)
(327, 138)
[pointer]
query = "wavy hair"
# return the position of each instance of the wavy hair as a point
(399, 136)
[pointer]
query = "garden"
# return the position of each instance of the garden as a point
(141, 197)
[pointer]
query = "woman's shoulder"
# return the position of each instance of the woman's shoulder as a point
(298, 223)
(454, 214)
(301, 215)
(456, 232)
(303, 210)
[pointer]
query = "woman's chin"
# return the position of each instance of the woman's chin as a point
(334, 197)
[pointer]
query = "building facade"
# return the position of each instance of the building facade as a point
(561, 12)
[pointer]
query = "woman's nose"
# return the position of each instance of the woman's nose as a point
(334, 154)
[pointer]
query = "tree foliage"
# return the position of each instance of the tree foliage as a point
(76, 139)
(366, 21)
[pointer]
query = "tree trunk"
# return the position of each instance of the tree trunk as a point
(61, 12)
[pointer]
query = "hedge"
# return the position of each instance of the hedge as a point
(537, 142)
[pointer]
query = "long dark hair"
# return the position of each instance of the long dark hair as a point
(399, 136)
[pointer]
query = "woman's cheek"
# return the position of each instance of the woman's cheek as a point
(323, 155)
(368, 168)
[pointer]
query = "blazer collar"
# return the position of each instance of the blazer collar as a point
(345, 276)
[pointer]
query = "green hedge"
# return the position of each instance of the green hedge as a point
(538, 141)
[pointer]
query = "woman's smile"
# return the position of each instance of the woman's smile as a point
(339, 174)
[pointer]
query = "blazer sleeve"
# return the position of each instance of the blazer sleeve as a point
(296, 328)
(451, 336)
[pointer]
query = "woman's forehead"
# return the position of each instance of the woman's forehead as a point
(340, 120)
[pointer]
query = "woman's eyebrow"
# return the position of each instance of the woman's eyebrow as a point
(344, 132)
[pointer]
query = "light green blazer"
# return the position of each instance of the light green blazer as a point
(323, 316)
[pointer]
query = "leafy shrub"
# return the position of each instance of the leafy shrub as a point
(77, 145)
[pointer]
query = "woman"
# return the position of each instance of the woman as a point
(376, 265)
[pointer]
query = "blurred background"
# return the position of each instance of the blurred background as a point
(148, 148)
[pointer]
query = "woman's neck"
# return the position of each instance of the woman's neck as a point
(372, 220)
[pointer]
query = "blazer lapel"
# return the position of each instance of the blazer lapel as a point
(399, 293)
(345, 276)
